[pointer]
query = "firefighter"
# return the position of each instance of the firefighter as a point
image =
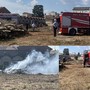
(55, 27)
(86, 58)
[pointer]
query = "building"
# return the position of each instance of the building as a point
(81, 9)
(26, 14)
(53, 13)
(4, 10)
(24, 19)
(49, 17)
(7, 15)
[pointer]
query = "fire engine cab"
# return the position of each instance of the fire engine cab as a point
(72, 23)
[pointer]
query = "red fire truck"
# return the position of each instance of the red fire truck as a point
(72, 23)
(86, 56)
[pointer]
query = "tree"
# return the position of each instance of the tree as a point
(38, 11)
(66, 51)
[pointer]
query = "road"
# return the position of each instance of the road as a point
(75, 77)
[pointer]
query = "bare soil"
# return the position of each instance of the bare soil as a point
(75, 77)
(28, 82)
(44, 36)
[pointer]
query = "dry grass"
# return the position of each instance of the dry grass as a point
(75, 77)
(28, 82)
(44, 36)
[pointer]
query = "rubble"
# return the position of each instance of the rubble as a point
(10, 29)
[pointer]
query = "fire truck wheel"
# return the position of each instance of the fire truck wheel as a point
(72, 32)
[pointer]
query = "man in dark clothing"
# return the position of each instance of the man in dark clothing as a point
(55, 29)
(64, 59)
(86, 58)
(27, 26)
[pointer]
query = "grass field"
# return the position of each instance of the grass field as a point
(44, 36)
(28, 82)
(75, 77)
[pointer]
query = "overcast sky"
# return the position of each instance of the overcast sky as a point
(20, 6)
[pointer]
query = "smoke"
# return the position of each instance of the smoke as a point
(36, 63)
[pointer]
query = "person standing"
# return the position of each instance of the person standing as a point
(33, 26)
(86, 58)
(27, 26)
(55, 27)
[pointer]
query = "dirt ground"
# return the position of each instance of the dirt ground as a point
(44, 36)
(75, 77)
(28, 82)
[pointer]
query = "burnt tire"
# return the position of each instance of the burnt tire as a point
(72, 32)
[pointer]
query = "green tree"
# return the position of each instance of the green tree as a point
(38, 11)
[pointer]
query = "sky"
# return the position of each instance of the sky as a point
(72, 49)
(20, 6)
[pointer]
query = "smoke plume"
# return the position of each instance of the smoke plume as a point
(35, 63)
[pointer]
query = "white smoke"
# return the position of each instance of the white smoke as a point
(36, 63)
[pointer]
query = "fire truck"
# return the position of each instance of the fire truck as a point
(72, 23)
(86, 56)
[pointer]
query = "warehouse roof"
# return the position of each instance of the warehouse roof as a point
(4, 10)
(25, 48)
